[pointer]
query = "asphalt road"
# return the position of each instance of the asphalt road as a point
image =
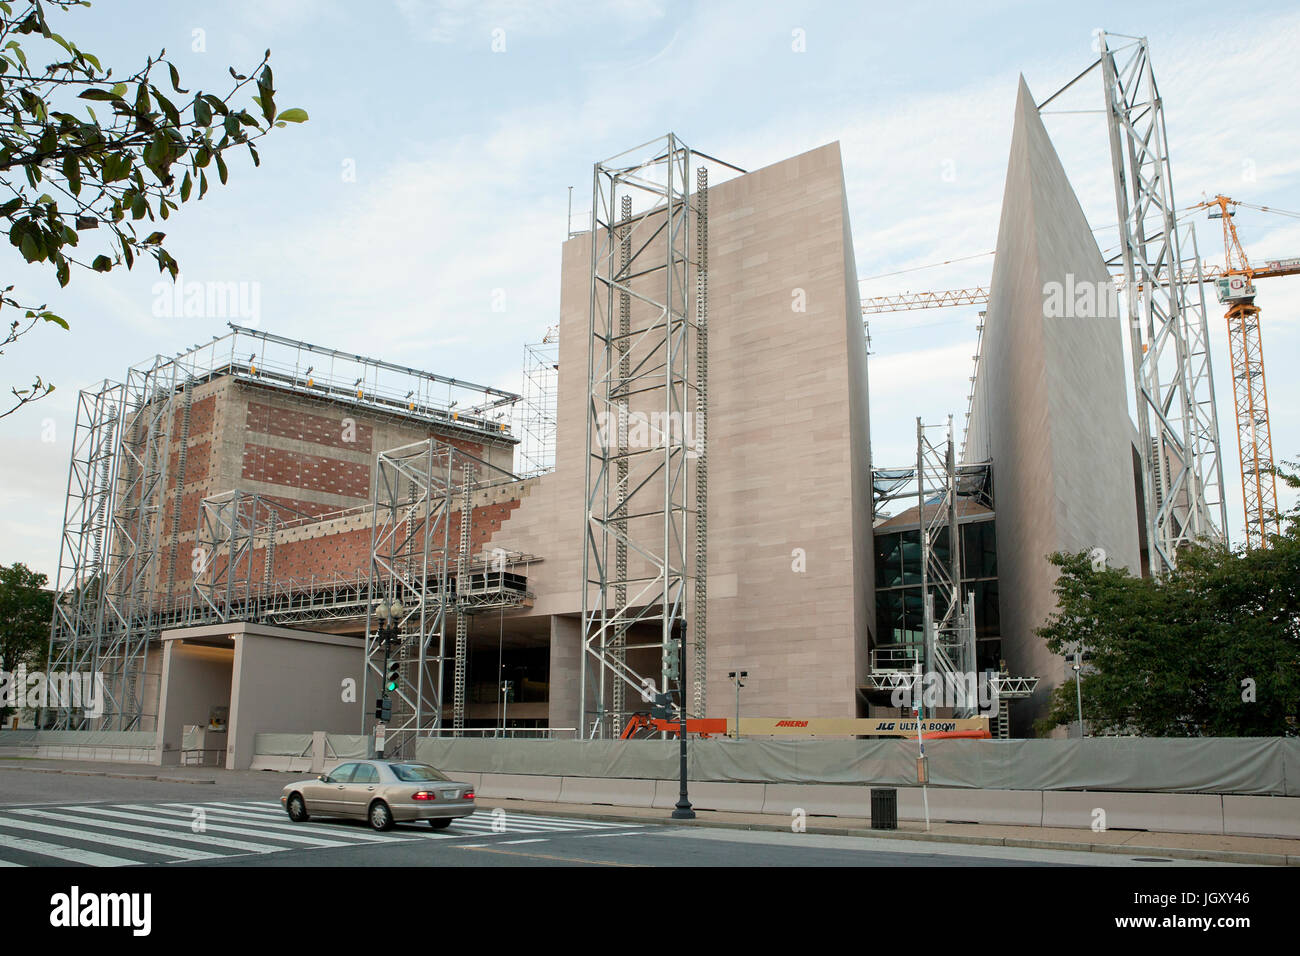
(63, 819)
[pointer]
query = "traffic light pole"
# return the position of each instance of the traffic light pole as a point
(683, 809)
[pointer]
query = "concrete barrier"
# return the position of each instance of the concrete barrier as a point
(739, 797)
(520, 786)
(612, 791)
(1005, 807)
(1262, 816)
(818, 800)
(1169, 812)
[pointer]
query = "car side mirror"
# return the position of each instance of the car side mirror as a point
(323, 777)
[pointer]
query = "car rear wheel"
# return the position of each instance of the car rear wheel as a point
(298, 809)
(440, 824)
(381, 818)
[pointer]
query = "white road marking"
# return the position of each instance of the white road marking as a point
(205, 838)
(514, 842)
(143, 846)
(69, 854)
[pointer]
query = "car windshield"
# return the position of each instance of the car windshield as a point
(415, 771)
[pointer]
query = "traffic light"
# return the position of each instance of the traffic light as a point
(662, 708)
(383, 709)
(672, 660)
(392, 675)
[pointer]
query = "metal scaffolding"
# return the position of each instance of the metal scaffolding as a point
(539, 410)
(417, 559)
(117, 583)
(1182, 473)
(643, 435)
(949, 623)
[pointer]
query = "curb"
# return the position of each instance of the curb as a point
(108, 773)
(1170, 853)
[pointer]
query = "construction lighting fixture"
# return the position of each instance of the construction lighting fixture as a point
(388, 612)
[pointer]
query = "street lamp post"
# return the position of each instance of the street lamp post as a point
(739, 678)
(683, 809)
(1078, 686)
(506, 687)
(388, 614)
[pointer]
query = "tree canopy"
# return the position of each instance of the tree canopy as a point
(81, 150)
(25, 612)
(1210, 649)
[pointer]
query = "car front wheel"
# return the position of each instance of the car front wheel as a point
(381, 818)
(298, 809)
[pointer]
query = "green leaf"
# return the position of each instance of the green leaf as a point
(202, 111)
(186, 185)
(294, 115)
(102, 95)
(176, 79)
(221, 168)
(139, 207)
(101, 264)
(51, 317)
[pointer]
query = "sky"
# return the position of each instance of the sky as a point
(418, 216)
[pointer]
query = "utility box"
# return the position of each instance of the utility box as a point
(884, 808)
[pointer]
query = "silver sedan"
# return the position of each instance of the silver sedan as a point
(382, 792)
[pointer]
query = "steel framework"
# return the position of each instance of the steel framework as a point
(116, 587)
(949, 623)
(1178, 427)
(642, 425)
(418, 488)
(539, 411)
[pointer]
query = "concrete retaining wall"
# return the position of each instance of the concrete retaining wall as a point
(1161, 812)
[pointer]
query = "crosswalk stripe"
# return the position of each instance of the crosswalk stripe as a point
(405, 833)
(143, 814)
(508, 828)
(125, 843)
(521, 824)
(566, 821)
(69, 854)
(266, 808)
(205, 838)
(284, 823)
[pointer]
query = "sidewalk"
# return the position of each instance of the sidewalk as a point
(1259, 851)
(1262, 851)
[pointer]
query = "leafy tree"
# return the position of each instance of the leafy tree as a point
(25, 612)
(64, 170)
(1210, 649)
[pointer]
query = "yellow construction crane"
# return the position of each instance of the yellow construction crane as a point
(1234, 283)
(1236, 289)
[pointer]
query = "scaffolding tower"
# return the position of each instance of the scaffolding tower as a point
(1164, 295)
(539, 410)
(119, 560)
(644, 495)
(417, 560)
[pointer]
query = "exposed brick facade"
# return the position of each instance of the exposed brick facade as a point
(303, 472)
(304, 426)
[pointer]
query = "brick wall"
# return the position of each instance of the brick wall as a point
(303, 426)
(303, 472)
(344, 553)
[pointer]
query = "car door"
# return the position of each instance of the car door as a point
(359, 791)
(327, 797)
